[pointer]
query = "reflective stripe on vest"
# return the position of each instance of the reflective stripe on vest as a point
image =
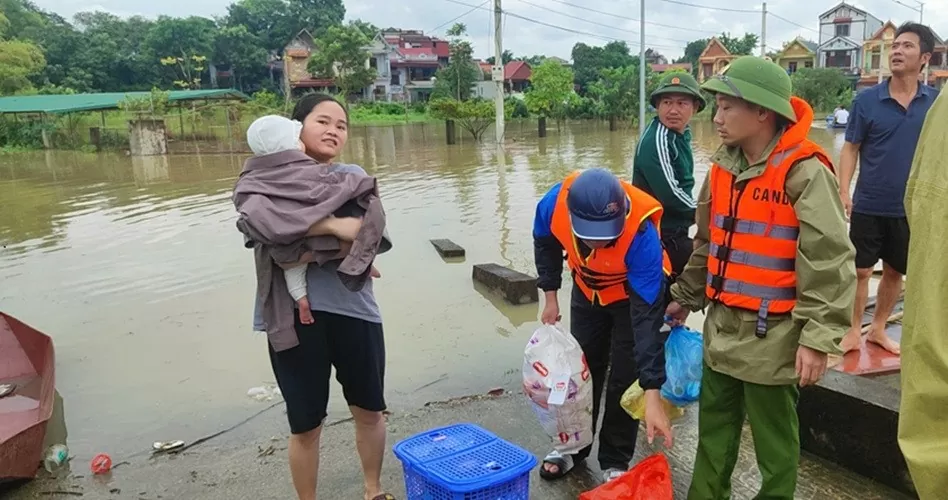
(777, 232)
(752, 259)
(759, 291)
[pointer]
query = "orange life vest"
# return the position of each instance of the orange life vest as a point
(603, 274)
(754, 229)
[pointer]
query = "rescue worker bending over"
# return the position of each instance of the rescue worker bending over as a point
(774, 266)
(609, 230)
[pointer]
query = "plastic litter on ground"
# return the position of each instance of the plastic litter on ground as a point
(464, 462)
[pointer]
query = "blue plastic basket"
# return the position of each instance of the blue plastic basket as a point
(464, 462)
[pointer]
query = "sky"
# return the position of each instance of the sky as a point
(558, 24)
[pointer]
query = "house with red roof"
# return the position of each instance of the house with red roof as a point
(516, 76)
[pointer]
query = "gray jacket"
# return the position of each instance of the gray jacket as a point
(278, 197)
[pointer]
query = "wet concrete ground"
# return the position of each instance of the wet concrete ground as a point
(250, 462)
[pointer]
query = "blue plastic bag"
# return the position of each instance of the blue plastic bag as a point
(684, 359)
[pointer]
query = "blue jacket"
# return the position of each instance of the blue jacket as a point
(646, 285)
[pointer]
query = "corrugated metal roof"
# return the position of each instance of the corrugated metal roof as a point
(70, 103)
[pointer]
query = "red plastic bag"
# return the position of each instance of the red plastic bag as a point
(650, 479)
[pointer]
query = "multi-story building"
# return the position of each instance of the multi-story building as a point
(877, 49)
(405, 62)
(843, 29)
(796, 55)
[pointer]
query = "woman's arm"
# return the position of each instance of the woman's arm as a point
(344, 228)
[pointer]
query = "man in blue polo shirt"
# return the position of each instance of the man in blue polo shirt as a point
(883, 131)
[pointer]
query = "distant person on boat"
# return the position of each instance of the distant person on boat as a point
(664, 164)
(609, 230)
(923, 428)
(883, 131)
(840, 117)
(774, 268)
(346, 333)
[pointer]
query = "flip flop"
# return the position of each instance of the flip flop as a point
(384, 496)
(611, 474)
(564, 465)
(7, 389)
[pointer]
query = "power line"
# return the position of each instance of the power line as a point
(916, 9)
(442, 25)
(617, 16)
(569, 30)
(722, 9)
(596, 23)
(784, 19)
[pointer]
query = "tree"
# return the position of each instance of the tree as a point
(318, 16)
(822, 88)
(268, 20)
(368, 29)
(473, 115)
(188, 69)
(457, 79)
(617, 90)
(341, 55)
(243, 51)
(588, 62)
(18, 61)
(505, 57)
(739, 46)
(551, 85)
(692, 52)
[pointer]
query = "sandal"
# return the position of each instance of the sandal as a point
(564, 465)
(611, 474)
(384, 496)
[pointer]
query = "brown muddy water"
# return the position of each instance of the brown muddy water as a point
(135, 268)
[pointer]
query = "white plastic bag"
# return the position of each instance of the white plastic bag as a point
(558, 384)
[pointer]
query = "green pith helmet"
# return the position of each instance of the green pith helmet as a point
(678, 83)
(756, 80)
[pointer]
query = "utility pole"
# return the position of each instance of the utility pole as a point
(642, 64)
(497, 72)
(763, 31)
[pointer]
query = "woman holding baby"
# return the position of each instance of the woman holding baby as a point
(343, 329)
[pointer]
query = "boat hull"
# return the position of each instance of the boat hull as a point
(27, 359)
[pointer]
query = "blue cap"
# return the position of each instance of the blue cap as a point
(597, 205)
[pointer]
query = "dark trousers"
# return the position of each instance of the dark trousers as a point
(605, 334)
(679, 246)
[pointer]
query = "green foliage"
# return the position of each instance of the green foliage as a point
(822, 88)
(244, 52)
(617, 91)
(505, 57)
(457, 79)
(518, 108)
(18, 61)
(341, 55)
(472, 115)
(20, 133)
(155, 105)
(588, 62)
(551, 85)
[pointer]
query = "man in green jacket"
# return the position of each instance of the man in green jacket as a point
(664, 164)
(770, 213)
(923, 428)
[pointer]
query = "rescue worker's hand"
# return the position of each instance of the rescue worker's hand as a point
(676, 313)
(811, 365)
(847, 202)
(656, 420)
(551, 309)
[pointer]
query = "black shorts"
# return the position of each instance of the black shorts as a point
(355, 347)
(876, 237)
(679, 246)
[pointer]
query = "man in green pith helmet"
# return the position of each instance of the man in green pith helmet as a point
(664, 164)
(775, 268)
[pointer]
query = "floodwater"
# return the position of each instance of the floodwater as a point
(135, 268)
